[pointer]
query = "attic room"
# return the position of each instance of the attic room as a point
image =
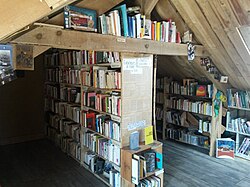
(125, 93)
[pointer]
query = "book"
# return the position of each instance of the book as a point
(135, 171)
(201, 91)
(134, 140)
(150, 161)
(80, 18)
(225, 148)
(159, 160)
(149, 135)
(123, 19)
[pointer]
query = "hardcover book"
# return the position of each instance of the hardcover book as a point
(80, 18)
(225, 148)
(134, 140)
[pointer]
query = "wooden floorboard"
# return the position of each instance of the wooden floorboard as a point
(41, 164)
(189, 165)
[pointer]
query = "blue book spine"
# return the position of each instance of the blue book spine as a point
(130, 27)
(124, 18)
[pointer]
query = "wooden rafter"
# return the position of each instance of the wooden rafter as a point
(195, 19)
(69, 39)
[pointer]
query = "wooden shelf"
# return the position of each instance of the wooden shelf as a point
(192, 97)
(239, 108)
(64, 84)
(49, 97)
(189, 111)
(242, 133)
(113, 117)
(190, 144)
(116, 141)
(89, 88)
(54, 37)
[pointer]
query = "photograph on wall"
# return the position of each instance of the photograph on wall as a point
(7, 73)
(24, 57)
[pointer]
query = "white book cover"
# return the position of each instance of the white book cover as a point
(138, 25)
(135, 171)
(147, 31)
(173, 33)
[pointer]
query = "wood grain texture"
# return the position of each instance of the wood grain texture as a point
(187, 166)
(68, 39)
(196, 20)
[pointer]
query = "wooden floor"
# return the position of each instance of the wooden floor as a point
(186, 167)
(41, 164)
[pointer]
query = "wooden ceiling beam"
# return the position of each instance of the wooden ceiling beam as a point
(148, 6)
(71, 39)
(195, 19)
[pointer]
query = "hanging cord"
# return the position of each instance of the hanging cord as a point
(154, 94)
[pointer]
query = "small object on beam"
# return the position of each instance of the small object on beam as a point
(190, 51)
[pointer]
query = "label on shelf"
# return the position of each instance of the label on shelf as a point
(122, 40)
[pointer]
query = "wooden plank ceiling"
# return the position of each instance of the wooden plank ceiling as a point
(216, 24)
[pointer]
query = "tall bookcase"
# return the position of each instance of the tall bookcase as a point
(189, 118)
(95, 106)
(237, 121)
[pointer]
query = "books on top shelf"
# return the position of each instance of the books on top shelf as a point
(80, 18)
(189, 88)
(225, 148)
(239, 99)
(123, 22)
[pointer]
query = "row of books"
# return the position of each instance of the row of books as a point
(204, 126)
(102, 124)
(67, 144)
(64, 109)
(150, 181)
(187, 137)
(70, 94)
(159, 113)
(240, 99)
(192, 88)
(66, 126)
(110, 103)
(102, 146)
(52, 91)
(63, 75)
(101, 166)
(78, 58)
(244, 147)
(63, 93)
(132, 24)
(144, 163)
(160, 97)
(160, 83)
(199, 107)
(101, 77)
(237, 124)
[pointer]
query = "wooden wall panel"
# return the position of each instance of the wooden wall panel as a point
(195, 19)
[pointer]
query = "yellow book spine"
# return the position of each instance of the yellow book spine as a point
(158, 31)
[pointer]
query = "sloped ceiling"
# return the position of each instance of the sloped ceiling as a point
(220, 25)
(215, 23)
